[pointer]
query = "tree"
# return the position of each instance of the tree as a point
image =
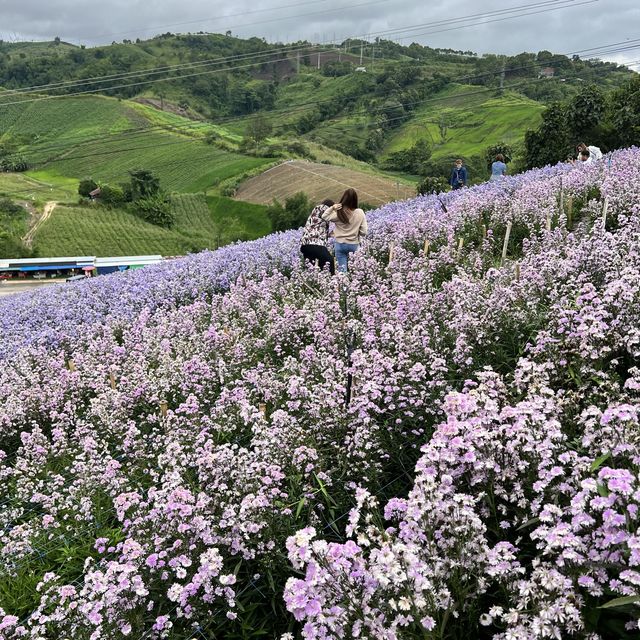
(585, 112)
(551, 142)
(155, 209)
(112, 196)
(86, 186)
(432, 184)
(625, 114)
(258, 129)
(412, 160)
(144, 184)
(290, 216)
(500, 148)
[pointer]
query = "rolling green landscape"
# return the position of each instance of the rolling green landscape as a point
(211, 140)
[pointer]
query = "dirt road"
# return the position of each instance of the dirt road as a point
(30, 235)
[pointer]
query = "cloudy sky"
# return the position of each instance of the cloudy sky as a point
(498, 26)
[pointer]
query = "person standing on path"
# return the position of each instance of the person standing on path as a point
(315, 237)
(498, 168)
(458, 177)
(350, 227)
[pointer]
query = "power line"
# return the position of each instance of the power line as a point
(520, 10)
(189, 128)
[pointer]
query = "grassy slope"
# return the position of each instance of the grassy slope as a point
(104, 137)
(476, 120)
(19, 186)
(200, 224)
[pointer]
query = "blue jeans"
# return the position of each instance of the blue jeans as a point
(343, 249)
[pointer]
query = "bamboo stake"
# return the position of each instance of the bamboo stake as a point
(548, 225)
(71, 364)
(517, 272)
(164, 408)
(112, 380)
(569, 212)
(561, 197)
(427, 246)
(263, 410)
(484, 231)
(391, 248)
(459, 251)
(505, 246)
(605, 210)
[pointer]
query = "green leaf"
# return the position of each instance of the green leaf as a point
(597, 463)
(620, 602)
(528, 523)
(301, 504)
(603, 491)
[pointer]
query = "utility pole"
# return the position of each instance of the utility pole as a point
(298, 62)
(502, 76)
(318, 59)
(373, 56)
(361, 52)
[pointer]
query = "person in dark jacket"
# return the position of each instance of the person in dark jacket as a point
(458, 176)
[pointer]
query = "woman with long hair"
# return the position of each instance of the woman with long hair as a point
(350, 226)
(315, 237)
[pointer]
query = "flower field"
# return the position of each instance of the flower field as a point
(444, 444)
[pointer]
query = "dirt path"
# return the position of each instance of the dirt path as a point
(30, 235)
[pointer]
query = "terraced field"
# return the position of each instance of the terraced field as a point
(104, 138)
(37, 188)
(320, 181)
(201, 223)
(473, 118)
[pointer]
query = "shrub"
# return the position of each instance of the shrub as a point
(112, 196)
(290, 216)
(86, 186)
(432, 184)
(155, 209)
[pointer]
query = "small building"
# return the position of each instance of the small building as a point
(361, 69)
(95, 194)
(46, 267)
(124, 263)
(547, 72)
(65, 267)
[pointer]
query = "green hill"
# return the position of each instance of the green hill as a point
(463, 121)
(201, 223)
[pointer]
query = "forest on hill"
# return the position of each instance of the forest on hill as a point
(300, 88)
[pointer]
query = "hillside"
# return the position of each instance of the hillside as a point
(301, 88)
(234, 445)
(320, 181)
(462, 121)
(201, 223)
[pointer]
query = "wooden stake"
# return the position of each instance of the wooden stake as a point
(164, 407)
(517, 272)
(71, 364)
(484, 231)
(459, 251)
(263, 410)
(561, 197)
(391, 248)
(605, 210)
(569, 212)
(505, 246)
(112, 380)
(427, 246)
(548, 225)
